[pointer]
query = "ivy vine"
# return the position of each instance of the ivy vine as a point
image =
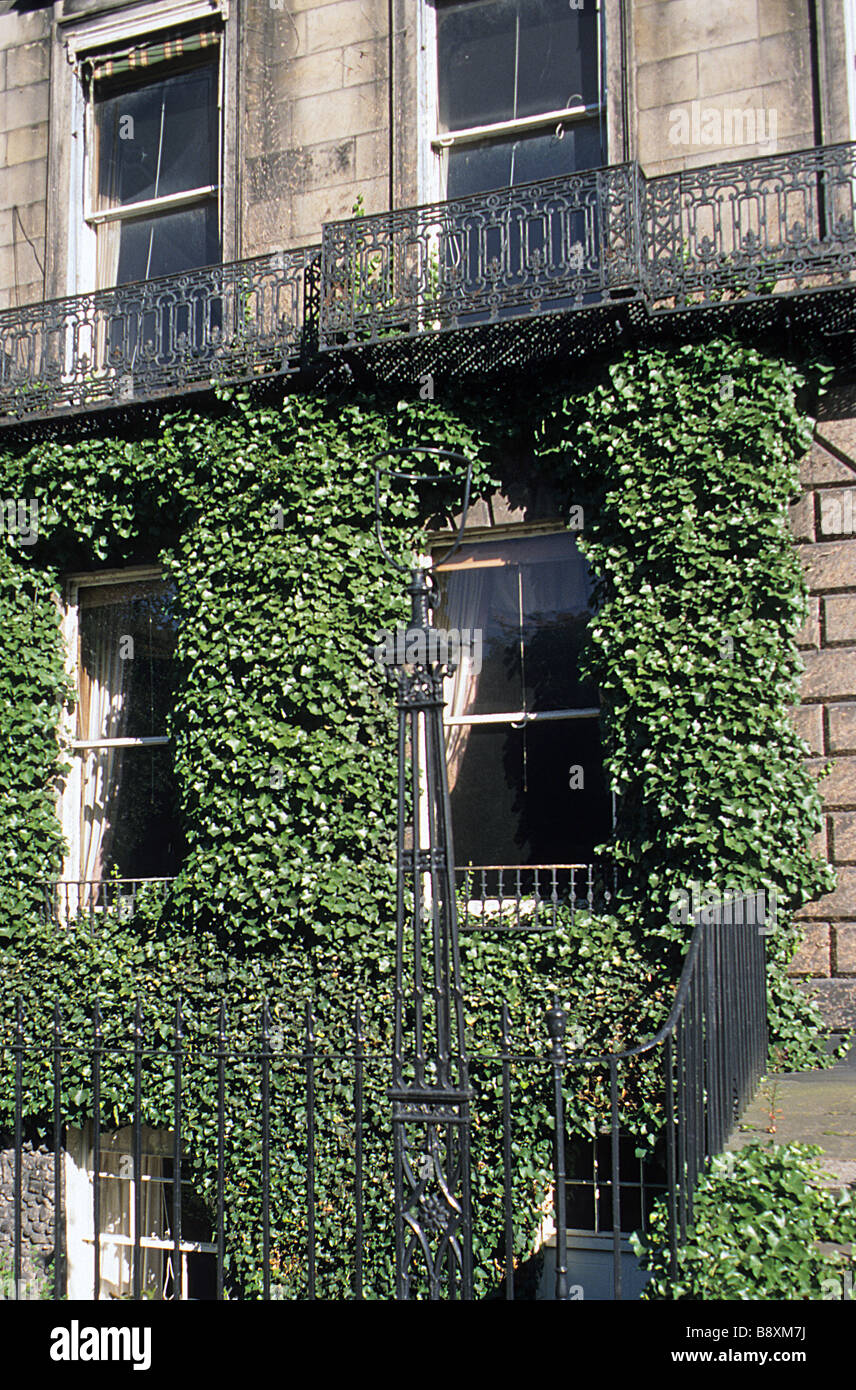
(260, 508)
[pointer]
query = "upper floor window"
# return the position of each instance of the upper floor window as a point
(153, 181)
(520, 91)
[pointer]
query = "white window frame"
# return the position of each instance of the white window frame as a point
(71, 217)
(434, 143)
(72, 792)
(80, 1235)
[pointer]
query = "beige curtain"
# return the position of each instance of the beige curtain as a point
(116, 1164)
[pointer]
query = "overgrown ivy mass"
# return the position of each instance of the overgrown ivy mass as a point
(260, 508)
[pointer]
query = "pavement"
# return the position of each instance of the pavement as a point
(813, 1107)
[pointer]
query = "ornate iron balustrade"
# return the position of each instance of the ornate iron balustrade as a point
(780, 225)
(729, 233)
(157, 338)
(527, 897)
(539, 248)
(551, 262)
(95, 901)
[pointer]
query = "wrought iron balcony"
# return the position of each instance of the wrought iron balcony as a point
(157, 338)
(568, 266)
(728, 234)
(536, 249)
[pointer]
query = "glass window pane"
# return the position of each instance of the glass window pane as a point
(493, 164)
(168, 243)
(142, 838)
(127, 643)
(158, 138)
(500, 60)
(531, 601)
(513, 801)
(557, 56)
(475, 62)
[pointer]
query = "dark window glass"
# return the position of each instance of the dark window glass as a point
(127, 643)
(500, 60)
(478, 168)
(531, 600)
(159, 138)
(168, 243)
(143, 839)
(513, 803)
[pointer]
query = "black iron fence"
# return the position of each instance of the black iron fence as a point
(732, 233)
(229, 1159)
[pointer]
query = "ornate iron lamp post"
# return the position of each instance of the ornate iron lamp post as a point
(430, 1094)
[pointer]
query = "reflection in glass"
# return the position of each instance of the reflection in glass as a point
(158, 139)
(514, 803)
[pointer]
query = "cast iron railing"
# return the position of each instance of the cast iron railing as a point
(70, 900)
(292, 1107)
(780, 225)
(491, 897)
(538, 248)
(527, 897)
(157, 338)
(772, 228)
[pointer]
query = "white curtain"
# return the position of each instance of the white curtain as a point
(116, 1214)
(103, 713)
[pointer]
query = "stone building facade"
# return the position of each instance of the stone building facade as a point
(326, 110)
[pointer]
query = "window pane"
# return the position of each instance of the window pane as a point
(142, 838)
(499, 60)
(168, 243)
(508, 163)
(532, 609)
(159, 138)
(513, 803)
(475, 62)
(557, 57)
(127, 642)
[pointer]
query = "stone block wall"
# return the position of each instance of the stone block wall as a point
(729, 67)
(824, 527)
(37, 1220)
(24, 99)
(314, 113)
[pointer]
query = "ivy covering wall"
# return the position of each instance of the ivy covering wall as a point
(261, 511)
